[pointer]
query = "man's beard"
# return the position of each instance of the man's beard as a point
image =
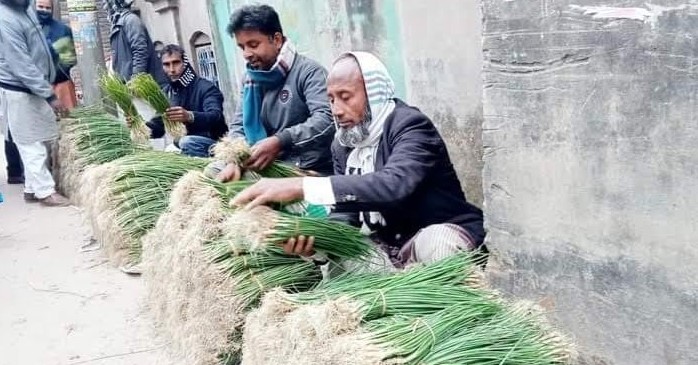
(353, 136)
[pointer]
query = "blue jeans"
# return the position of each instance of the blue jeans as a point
(196, 146)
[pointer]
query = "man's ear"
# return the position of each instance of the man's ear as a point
(278, 40)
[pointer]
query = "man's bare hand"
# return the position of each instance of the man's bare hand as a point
(177, 114)
(268, 191)
(231, 172)
(264, 153)
(58, 108)
(301, 245)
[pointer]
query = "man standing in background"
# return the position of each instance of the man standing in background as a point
(133, 51)
(29, 102)
(60, 40)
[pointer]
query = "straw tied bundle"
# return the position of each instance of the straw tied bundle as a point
(125, 198)
(206, 265)
(425, 315)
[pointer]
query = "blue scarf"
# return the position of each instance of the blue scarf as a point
(256, 83)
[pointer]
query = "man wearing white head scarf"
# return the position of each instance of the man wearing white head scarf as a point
(393, 174)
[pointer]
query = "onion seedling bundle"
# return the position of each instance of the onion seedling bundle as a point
(98, 138)
(140, 189)
(409, 340)
(237, 151)
(418, 317)
(256, 272)
(146, 88)
(117, 91)
(509, 338)
(265, 228)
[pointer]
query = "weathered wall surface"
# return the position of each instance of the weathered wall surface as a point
(591, 170)
(161, 17)
(432, 51)
(193, 19)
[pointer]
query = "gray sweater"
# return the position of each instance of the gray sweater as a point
(26, 64)
(299, 114)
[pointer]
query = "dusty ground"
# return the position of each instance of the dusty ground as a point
(58, 305)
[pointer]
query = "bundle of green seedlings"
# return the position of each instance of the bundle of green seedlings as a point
(144, 87)
(116, 90)
(514, 336)
(264, 229)
(98, 138)
(249, 255)
(384, 319)
(89, 137)
(188, 297)
(202, 277)
(237, 151)
(140, 190)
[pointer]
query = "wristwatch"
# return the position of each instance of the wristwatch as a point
(191, 116)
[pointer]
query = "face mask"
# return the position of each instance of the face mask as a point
(44, 16)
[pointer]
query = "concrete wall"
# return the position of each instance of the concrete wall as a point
(433, 53)
(193, 19)
(161, 19)
(591, 170)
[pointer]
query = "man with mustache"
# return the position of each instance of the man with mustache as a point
(283, 112)
(29, 103)
(393, 173)
(197, 103)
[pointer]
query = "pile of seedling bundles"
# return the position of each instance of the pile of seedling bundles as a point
(434, 314)
(206, 264)
(223, 292)
(122, 184)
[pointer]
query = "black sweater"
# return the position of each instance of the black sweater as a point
(202, 98)
(414, 184)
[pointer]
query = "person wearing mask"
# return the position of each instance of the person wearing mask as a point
(29, 103)
(60, 39)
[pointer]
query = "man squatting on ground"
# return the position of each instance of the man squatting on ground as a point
(392, 171)
(29, 103)
(196, 102)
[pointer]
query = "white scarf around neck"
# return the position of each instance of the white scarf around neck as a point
(380, 90)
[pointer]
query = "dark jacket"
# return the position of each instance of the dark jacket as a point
(299, 114)
(414, 184)
(60, 36)
(205, 100)
(132, 49)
